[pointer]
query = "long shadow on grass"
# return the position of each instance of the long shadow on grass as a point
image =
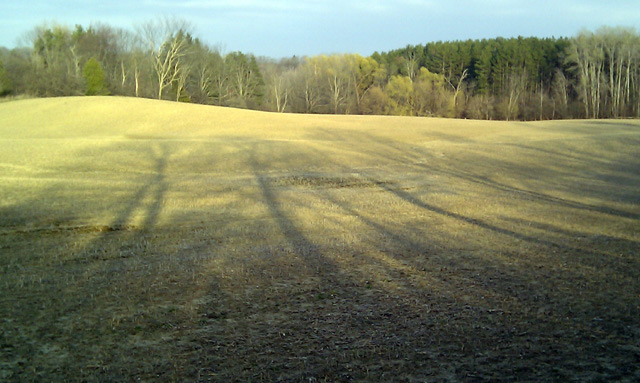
(86, 315)
(412, 157)
(154, 189)
(322, 326)
(497, 287)
(392, 151)
(503, 328)
(338, 329)
(118, 256)
(305, 248)
(433, 294)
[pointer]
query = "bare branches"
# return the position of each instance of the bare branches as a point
(166, 40)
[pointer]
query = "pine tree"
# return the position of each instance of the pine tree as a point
(96, 84)
(5, 83)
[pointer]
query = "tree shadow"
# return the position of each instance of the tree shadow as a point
(541, 291)
(81, 294)
(608, 254)
(339, 323)
(281, 301)
(309, 322)
(414, 157)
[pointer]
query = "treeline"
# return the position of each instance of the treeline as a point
(160, 59)
(592, 75)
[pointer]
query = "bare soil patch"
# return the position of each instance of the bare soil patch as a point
(325, 181)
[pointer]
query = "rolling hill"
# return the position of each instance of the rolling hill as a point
(151, 240)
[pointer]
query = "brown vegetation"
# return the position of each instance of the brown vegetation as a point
(152, 241)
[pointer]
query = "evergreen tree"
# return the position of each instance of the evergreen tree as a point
(245, 80)
(96, 84)
(5, 83)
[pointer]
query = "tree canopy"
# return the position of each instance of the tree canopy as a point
(94, 78)
(5, 84)
(592, 75)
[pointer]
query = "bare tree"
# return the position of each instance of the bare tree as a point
(458, 86)
(516, 86)
(339, 73)
(411, 65)
(278, 82)
(206, 65)
(560, 93)
(587, 52)
(167, 43)
(307, 86)
(620, 48)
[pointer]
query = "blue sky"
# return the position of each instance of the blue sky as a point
(279, 28)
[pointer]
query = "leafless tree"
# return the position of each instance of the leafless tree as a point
(166, 41)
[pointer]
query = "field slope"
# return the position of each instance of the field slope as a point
(152, 241)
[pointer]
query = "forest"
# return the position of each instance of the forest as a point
(595, 74)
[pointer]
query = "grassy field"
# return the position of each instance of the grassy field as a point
(154, 241)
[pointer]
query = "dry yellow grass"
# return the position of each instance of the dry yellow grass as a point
(147, 240)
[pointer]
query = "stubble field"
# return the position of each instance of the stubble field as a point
(154, 241)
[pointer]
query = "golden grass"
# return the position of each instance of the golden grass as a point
(148, 240)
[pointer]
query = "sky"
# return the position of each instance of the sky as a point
(284, 28)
